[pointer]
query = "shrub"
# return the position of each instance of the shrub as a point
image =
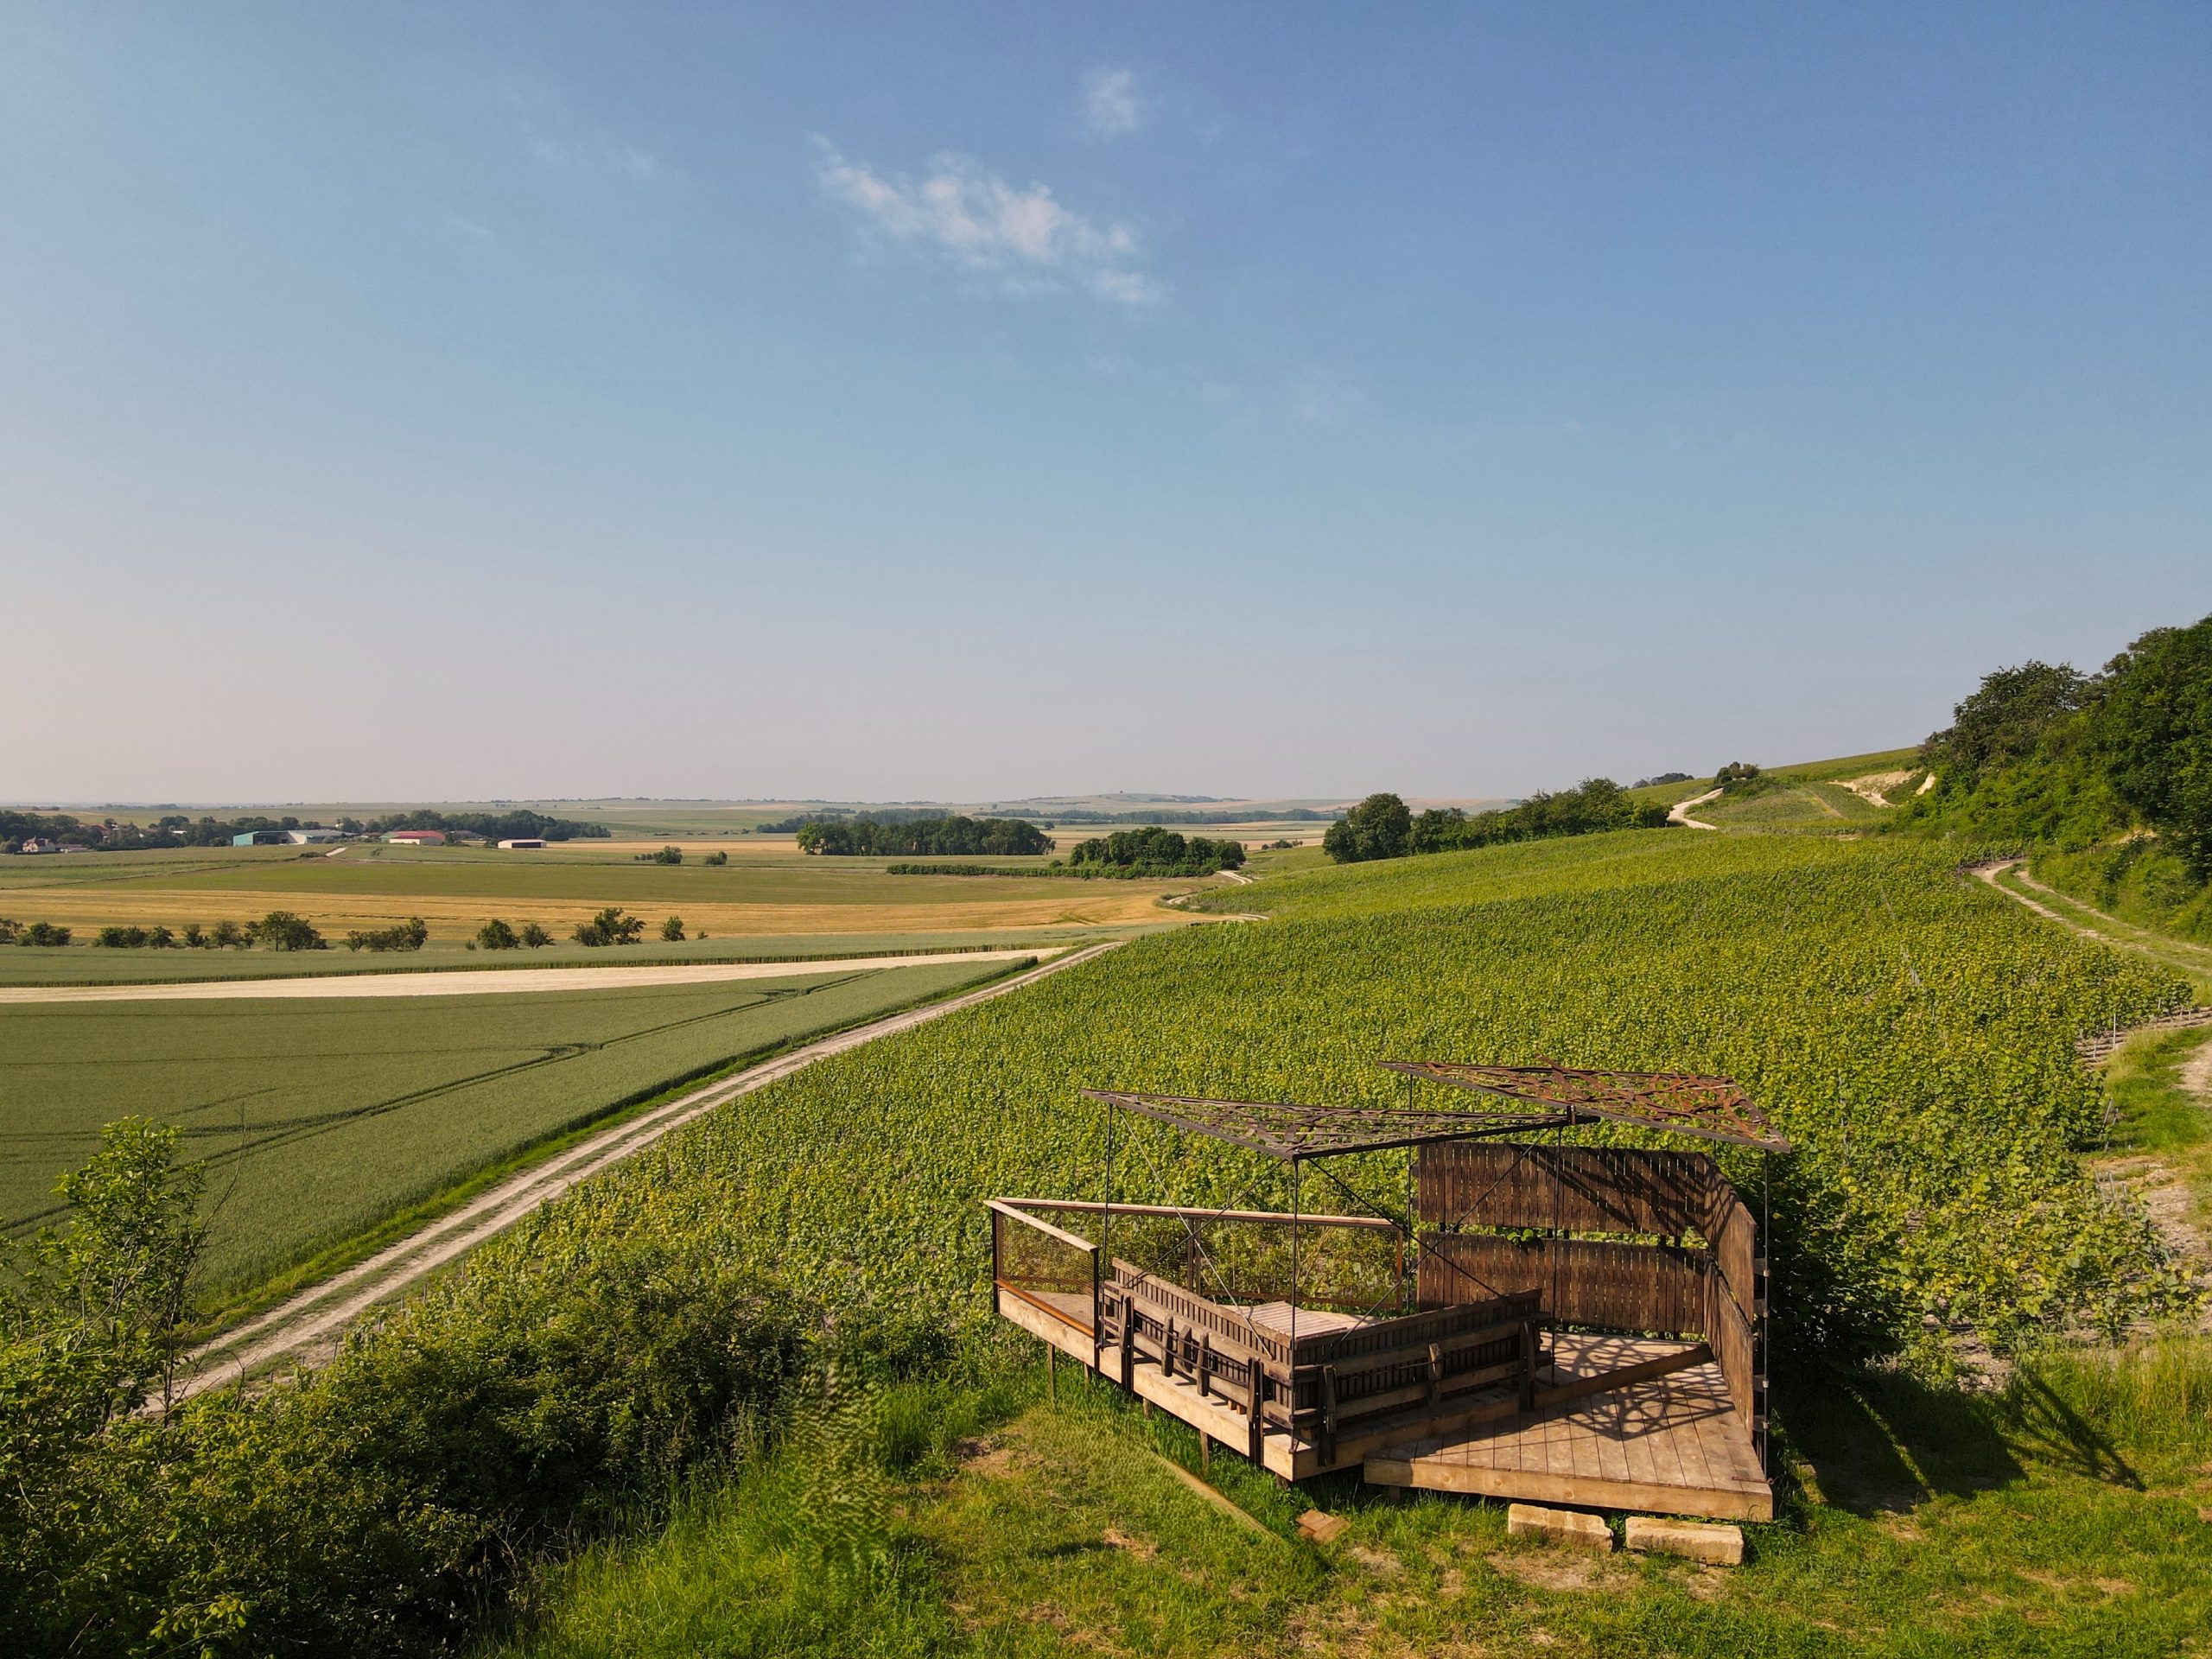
(534, 936)
(716, 858)
(42, 933)
(1379, 826)
(280, 930)
(672, 929)
(610, 926)
(496, 935)
(122, 938)
(409, 935)
(384, 1503)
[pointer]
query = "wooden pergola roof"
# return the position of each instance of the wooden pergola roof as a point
(1681, 1102)
(1292, 1132)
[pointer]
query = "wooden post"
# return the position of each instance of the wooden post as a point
(1255, 1425)
(1205, 1364)
(1435, 1371)
(1051, 1374)
(1205, 1453)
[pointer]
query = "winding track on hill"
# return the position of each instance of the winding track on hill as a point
(2161, 1191)
(1679, 811)
(308, 1324)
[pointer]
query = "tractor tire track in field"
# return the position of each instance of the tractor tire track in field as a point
(308, 1325)
(267, 1134)
(2177, 954)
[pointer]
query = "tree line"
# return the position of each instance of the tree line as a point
(866, 835)
(1382, 826)
(1154, 850)
(2043, 754)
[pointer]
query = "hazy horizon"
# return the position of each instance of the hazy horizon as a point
(411, 402)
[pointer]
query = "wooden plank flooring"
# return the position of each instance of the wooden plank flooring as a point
(1671, 1445)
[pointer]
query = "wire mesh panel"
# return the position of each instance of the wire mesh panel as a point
(1047, 1265)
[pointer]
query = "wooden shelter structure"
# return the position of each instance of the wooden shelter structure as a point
(1572, 1323)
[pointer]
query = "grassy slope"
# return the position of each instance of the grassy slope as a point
(1804, 771)
(319, 1118)
(2062, 1517)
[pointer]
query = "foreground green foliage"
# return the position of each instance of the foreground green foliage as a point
(2057, 1517)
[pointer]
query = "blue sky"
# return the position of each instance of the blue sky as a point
(429, 402)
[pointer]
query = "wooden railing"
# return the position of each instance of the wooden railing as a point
(1312, 1386)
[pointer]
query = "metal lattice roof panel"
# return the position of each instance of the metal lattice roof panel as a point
(1681, 1102)
(1290, 1130)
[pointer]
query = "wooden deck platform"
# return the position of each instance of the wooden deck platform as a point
(1669, 1444)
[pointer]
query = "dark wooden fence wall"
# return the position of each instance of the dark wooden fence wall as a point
(1717, 1292)
(1571, 1189)
(1650, 1287)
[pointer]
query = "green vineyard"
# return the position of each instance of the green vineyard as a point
(1913, 1034)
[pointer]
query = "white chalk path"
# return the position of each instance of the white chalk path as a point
(489, 982)
(1680, 812)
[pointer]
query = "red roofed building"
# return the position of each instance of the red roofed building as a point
(418, 837)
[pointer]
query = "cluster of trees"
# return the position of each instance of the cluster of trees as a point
(1662, 778)
(1738, 777)
(280, 930)
(1156, 851)
(940, 836)
(496, 935)
(668, 856)
(409, 935)
(1381, 826)
(613, 926)
(2044, 753)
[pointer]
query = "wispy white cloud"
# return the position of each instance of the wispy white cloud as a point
(1022, 240)
(550, 131)
(1111, 104)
